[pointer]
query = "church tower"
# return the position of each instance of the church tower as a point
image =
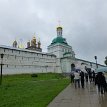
(59, 45)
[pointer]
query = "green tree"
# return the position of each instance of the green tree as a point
(105, 60)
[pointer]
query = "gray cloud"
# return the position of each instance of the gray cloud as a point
(84, 24)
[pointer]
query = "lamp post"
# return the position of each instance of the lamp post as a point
(1, 67)
(96, 61)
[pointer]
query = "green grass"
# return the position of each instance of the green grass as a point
(27, 91)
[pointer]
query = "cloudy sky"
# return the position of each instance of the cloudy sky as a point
(84, 24)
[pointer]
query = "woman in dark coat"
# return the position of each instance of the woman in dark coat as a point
(101, 82)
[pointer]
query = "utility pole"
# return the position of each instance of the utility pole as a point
(1, 68)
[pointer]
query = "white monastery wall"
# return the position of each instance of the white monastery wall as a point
(18, 61)
(25, 61)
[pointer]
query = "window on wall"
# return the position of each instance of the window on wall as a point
(19, 52)
(12, 51)
(4, 50)
(7, 66)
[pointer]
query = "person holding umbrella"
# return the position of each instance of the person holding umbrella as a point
(100, 81)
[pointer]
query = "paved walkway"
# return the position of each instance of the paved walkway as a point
(88, 97)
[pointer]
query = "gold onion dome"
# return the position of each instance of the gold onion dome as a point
(59, 27)
(34, 39)
(15, 42)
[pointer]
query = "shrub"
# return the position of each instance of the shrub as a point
(34, 75)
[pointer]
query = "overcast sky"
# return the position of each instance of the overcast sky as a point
(84, 24)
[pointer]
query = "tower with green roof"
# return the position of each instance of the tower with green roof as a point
(59, 46)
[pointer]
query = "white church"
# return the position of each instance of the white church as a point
(59, 58)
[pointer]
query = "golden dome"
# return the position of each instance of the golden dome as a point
(59, 27)
(15, 43)
(34, 37)
(33, 41)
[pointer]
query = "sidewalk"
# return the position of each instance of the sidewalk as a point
(87, 97)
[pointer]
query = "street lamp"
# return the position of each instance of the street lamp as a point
(96, 61)
(1, 67)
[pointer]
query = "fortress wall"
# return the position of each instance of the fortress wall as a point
(21, 61)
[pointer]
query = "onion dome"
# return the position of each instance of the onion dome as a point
(28, 44)
(59, 40)
(33, 42)
(15, 44)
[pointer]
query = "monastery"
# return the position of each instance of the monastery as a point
(60, 57)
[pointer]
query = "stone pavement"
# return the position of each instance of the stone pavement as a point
(87, 97)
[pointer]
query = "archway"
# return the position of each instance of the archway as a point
(72, 67)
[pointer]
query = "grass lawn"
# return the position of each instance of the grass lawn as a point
(27, 91)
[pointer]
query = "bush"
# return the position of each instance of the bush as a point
(34, 75)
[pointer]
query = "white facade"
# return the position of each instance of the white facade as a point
(59, 50)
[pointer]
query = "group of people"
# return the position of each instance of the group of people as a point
(79, 77)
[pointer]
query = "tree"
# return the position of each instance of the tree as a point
(105, 60)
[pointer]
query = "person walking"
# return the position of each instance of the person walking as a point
(89, 73)
(86, 77)
(100, 81)
(93, 76)
(77, 79)
(82, 79)
(72, 77)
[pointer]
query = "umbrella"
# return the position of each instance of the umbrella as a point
(77, 69)
(101, 69)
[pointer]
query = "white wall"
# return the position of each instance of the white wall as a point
(21, 61)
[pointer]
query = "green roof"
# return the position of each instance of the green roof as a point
(59, 40)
